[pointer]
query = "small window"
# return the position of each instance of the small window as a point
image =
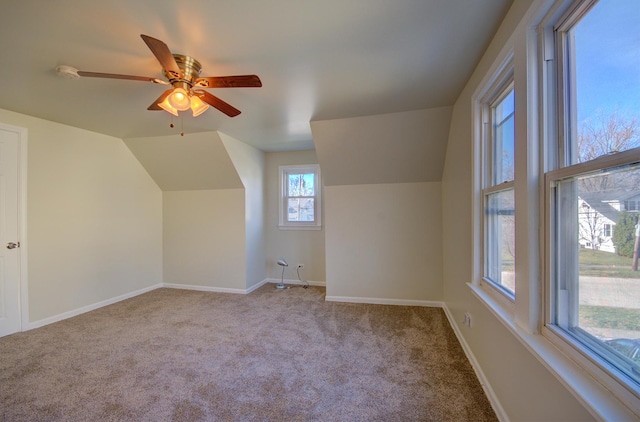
(300, 206)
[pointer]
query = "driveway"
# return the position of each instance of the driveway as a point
(614, 292)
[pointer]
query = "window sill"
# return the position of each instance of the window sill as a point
(281, 227)
(597, 399)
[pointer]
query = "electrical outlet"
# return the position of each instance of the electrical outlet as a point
(300, 266)
(467, 319)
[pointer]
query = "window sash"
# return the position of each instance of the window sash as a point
(286, 220)
(561, 191)
(497, 232)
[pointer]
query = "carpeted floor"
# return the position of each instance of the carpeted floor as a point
(267, 356)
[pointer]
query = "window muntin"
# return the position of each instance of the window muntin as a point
(498, 192)
(300, 197)
(594, 301)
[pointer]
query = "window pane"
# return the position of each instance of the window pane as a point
(301, 184)
(500, 239)
(503, 142)
(607, 86)
(598, 282)
(301, 209)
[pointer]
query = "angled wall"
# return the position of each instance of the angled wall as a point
(382, 198)
(250, 165)
(213, 234)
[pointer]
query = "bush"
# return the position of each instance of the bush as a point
(624, 236)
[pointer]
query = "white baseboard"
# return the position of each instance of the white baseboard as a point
(491, 395)
(383, 301)
(88, 308)
(296, 282)
(203, 288)
(257, 286)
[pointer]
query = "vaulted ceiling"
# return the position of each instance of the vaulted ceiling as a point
(318, 60)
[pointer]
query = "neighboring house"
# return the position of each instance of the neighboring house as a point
(598, 214)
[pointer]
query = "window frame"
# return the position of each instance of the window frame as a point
(501, 88)
(531, 50)
(284, 172)
(496, 83)
(563, 165)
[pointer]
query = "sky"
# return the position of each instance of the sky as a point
(608, 59)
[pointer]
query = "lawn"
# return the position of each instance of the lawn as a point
(605, 264)
(608, 317)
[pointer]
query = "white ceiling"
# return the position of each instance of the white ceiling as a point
(318, 60)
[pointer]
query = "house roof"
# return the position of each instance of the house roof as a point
(600, 201)
(318, 60)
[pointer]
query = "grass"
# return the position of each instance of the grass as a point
(608, 317)
(605, 264)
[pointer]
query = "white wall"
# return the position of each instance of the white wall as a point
(94, 222)
(204, 238)
(525, 388)
(384, 241)
(250, 165)
(296, 246)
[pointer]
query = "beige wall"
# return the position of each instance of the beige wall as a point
(384, 241)
(94, 222)
(525, 388)
(250, 165)
(296, 246)
(401, 147)
(204, 238)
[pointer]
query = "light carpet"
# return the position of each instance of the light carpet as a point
(179, 355)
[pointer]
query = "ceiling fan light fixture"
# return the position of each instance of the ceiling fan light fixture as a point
(198, 106)
(179, 99)
(166, 106)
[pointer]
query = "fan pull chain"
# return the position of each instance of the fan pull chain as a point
(181, 126)
(171, 124)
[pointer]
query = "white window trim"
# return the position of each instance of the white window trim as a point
(491, 87)
(603, 396)
(283, 224)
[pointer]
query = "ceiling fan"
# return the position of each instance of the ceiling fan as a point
(183, 74)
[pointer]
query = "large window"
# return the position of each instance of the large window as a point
(556, 165)
(498, 187)
(300, 206)
(592, 185)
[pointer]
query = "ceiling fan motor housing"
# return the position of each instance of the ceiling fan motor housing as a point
(190, 68)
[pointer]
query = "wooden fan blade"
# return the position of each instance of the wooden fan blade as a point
(216, 102)
(117, 76)
(163, 54)
(241, 81)
(154, 105)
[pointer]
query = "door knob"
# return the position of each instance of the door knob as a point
(12, 245)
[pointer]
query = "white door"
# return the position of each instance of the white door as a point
(9, 242)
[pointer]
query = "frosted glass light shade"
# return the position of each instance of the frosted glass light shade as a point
(168, 107)
(179, 99)
(198, 106)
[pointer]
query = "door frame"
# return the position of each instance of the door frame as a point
(22, 134)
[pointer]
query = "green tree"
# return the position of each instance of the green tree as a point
(624, 234)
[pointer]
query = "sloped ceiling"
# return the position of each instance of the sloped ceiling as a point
(389, 148)
(192, 162)
(318, 60)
